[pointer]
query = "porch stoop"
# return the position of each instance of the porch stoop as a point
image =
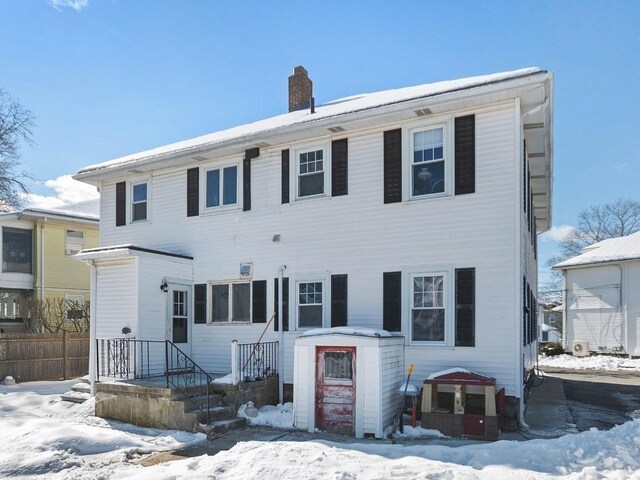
(168, 408)
(79, 393)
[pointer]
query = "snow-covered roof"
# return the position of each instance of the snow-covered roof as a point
(86, 212)
(337, 108)
(610, 250)
(89, 210)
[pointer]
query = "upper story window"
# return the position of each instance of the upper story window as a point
(16, 250)
(230, 302)
(428, 313)
(74, 242)
(310, 304)
(139, 202)
(222, 187)
(428, 161)
(310, 172)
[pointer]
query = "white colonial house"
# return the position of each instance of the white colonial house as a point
(412, 210)
(601, 298)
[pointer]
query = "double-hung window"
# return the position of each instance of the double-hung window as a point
(16, 250)
(310, 172)
(428, 313)
(74, 242)
(310, 304)
(230, 303)
(139, 202)
(428, 169)
(221, 187)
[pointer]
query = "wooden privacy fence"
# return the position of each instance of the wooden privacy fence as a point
(34, 356)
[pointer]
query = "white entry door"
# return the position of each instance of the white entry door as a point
(179, 317)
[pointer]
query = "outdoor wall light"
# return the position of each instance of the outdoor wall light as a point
(164, 286)
(276, 238)
(126, 330)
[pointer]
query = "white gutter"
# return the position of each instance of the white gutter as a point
(93, 344)
(44, 220)
(280, 336)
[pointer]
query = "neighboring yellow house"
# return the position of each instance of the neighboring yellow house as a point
(37, 258)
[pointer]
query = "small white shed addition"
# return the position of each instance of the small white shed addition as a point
(346, 380)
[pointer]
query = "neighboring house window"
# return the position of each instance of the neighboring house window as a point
(222, 187)
(545, 336)
(16, 250)
(310, 304)
(75, 307)
(230, 302)
(311, 172)
(427, 162)
(428, 320)
(139, 202)
(74, 242)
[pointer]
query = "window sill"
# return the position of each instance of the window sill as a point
(438, 346)
(219, 210)
(420, 198)
(310, 198)
(227, 324)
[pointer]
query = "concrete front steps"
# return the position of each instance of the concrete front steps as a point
(79, 393)
(156, 406)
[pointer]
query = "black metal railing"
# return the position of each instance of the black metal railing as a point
(188, 378)
(257, 361)
(129, 358)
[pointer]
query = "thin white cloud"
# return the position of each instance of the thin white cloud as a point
(67, 190)
(76, 5)
(556, 233)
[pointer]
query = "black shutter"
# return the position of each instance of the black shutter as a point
(338, 300)
(285, 176)
(200, 303)
(339, 167)
(465, 307)
(121, 204)
(529, 200)
(285, 304)
(393, 166)
(525, 192)
(392, 301)
(524, 311)
(249, 155)
(465, 155)
(259, 301)
(193, 192)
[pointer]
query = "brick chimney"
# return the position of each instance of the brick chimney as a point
(300, 89)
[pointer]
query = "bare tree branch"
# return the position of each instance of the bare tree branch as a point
(16, 123)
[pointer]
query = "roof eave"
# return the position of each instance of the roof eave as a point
(236, 145)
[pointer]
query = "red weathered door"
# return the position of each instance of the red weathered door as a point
(335, 389)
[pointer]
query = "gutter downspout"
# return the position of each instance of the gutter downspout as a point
(280, 336)
(93, 343)
(44, 220)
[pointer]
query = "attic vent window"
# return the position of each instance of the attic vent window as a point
(421, 112)
(336, 129)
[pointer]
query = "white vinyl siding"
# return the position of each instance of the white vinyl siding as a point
(356, 235)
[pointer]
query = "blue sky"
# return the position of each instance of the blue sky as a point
(106, 78)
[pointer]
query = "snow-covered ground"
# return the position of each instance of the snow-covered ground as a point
(596, 362)
(46, 438)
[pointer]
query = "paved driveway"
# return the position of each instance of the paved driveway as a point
(601, 400)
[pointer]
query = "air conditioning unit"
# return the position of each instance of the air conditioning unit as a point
(580, 348)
